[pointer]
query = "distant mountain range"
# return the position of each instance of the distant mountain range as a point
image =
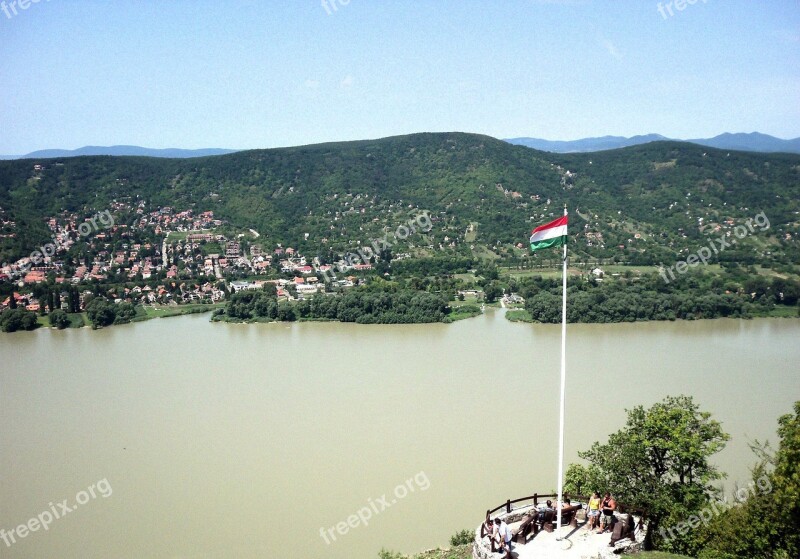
(754, 141)
(741, 142)
(121, 150)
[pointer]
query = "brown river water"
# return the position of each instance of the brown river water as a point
(178, 438)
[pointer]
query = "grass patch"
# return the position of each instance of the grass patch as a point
(166, 311)
(548, 273)
(659, 555)
(471, 236)
(621, 269)
(212, 248)
(783, 311)
(518, 315)
(462, 311)
(483, 253)
(455, 552)
(76, 320)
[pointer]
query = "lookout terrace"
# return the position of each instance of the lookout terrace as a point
(536, 535)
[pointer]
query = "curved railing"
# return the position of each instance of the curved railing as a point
(621, 507)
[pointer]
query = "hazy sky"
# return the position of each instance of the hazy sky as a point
(257, 74)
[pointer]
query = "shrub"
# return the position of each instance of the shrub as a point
(462, 538)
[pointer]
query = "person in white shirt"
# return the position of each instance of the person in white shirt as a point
(505, 535)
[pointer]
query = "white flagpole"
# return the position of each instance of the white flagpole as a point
(563, 382)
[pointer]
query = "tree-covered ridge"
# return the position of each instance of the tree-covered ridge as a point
(642, 204)
(364, 306)
(734, 293)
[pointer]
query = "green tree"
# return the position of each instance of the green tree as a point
(491, 292)
(660, 461)
(286, 311)
(124, 312)
(12, 320)
(578, 479)
(767, 524)
(101, 312)
(59, 319)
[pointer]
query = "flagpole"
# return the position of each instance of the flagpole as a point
(563, 382)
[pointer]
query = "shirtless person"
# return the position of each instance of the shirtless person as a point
(608, 506)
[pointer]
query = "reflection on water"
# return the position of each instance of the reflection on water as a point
(239, 440)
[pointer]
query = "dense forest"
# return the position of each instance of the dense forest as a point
(734, 294)
(364, 306)
(639, 205)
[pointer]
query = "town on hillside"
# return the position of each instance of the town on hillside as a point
(165, 257)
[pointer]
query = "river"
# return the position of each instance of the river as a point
(218, 440)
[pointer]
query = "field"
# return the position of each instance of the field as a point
(166, 311)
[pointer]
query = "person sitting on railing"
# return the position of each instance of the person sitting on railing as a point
(496, 538)
(487, 530)
(493, 532)
(487, 527)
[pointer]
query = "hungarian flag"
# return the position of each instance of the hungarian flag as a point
(552, 234)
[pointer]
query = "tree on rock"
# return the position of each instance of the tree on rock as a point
(660, 462)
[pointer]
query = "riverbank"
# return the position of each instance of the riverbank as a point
(459, 312)
(455, 552)
(143, 314)
(521, 315)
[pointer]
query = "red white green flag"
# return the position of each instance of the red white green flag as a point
(552, 234)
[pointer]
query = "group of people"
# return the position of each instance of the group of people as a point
(601, 512)
(549, 508)
(499, 535)
(600, 516)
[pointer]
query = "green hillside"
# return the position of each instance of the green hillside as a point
(639, 205)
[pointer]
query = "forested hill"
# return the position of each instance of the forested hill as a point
(641, 204)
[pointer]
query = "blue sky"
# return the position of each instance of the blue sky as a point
(258, 74)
